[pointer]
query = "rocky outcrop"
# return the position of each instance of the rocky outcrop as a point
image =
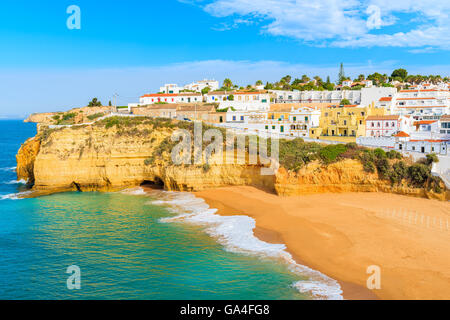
(43, 118)
(94, 158)
(105, 158)
(26, 158)
(343, 176)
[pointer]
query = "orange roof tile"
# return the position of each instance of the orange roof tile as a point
(402, 134)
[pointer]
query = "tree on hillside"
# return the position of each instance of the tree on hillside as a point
(268, 86)
(286, 79)
(227, 83)
(95, 103)
(205, 90)
(109, 103)
(305, 79)
(402, 73)
(258, 83)
(341, 75)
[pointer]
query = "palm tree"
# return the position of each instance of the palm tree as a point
(227, 83)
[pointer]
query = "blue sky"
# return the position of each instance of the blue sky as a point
(132, 47)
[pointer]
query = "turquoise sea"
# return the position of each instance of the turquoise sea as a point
(133, 246)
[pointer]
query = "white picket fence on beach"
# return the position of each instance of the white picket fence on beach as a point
(418, 220)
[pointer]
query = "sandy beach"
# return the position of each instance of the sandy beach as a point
(341, 235)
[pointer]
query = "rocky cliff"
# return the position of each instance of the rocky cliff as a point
(108, 157)
(93, 157)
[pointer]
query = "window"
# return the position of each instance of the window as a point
(234, 118)
(345, 122)
(281, 128)
(393, 124)
(373, 124)
(267, 127)
(273, 127)
(295, 118)
(242, 118)
(306, 119)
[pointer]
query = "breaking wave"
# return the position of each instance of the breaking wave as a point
(235, 233)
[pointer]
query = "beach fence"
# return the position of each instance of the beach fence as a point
(416, 219)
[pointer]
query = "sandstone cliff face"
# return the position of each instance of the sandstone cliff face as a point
(92, 157)
(26, 158)
(343, 176)
(81, 115)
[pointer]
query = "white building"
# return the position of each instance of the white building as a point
(170, 88)
(202, 84)
(423, 102)
(386, 126)
(296, 125)
(187, 97)
(217, 96)
(363, 97)
(257, 100)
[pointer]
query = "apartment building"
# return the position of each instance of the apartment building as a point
(344, 123)
(422, 102)
(387, 125)
(184, 97)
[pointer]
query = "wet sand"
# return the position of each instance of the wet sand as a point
(341, 235)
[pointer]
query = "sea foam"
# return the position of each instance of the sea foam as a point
(21, 181)
(235, 233)
(12, 169)
(14, 196)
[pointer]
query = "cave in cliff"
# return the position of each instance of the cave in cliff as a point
(156, 183)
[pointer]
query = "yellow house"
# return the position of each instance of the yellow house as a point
(344, 123)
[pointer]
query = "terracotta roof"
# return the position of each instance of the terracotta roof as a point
(402, 134)
(155, 95)
(445, 117)
(424, 122)
(427, 98)
(196, 108)
(386, 99)
(386, 117)
(429, 140)
(211, 93)
(418, 107)
(162, 106)
(183, 94)
(250, 92)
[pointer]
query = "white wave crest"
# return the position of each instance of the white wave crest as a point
(235, 233)
(134, 191)
(21, 181)
(8, 169)
(14, 196)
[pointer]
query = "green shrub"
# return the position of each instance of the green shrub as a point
(55, 117)
(369, 166)
(418, 174)
(432, 157)
(379, 153)
(399, 172)
(95, 116)
(392, 154)
(383, 168)
(352, 145)
(331, 152)
(68, 116)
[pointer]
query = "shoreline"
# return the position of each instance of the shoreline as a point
(351, 291)
(343, 245)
